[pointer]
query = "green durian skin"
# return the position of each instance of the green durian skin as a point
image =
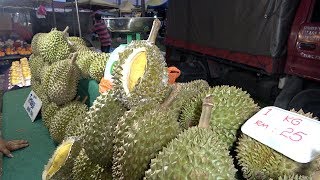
(61, 82)
(98, 135)
(78, 44)
(84, 60)
(232, 107)
(48, 111)
(65, 171)
(37, 38)
(154, 83)
(54, 46)
(197, 153)
(294, 177)
(36, 65)
(142, 141)
(85, 169)
(76, 126)
(98, 66)
(62, 118)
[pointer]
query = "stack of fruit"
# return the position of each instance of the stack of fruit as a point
(144, 127)
(24, 51)
(25, 71)
(10, 51)
(16, 78)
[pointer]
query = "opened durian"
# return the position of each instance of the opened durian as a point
(98, 66)
(54, 46)
(98, 135)
(60, 164)
(37, 38)
(197, 153)
(232, 107)
(258, 161)
(63, 116)
(139, 139)
(85, 169)
(141, 72)
(61, 81)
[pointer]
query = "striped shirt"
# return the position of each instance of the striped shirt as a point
(101, 29)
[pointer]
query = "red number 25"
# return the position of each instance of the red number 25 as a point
(297, 136)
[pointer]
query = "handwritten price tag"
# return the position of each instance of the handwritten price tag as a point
(291, 134)
(32, 105)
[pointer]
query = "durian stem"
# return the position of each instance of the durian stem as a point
(207, 106)
(175, 91)
(154, 31)
(74, 57)
(66, 30)
(84, 100)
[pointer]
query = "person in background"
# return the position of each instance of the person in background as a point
(7, 146)
(101, 29)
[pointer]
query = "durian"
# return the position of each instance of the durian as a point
(60, 164)
(232, 107)
(98, 135)
(258, 161)
(48, 111)
(293, 177)
(84, 60)
(37, 38)
(63, 116)
(36, 65)
(197, 153)
(141, 72)
(139, 139)
(98, 66)
(85, 169)
(54, 46)
(77, 43)
(61, 81)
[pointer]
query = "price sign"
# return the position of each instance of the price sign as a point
(291, 134)
(32, 105)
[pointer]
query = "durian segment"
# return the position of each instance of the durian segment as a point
(61, 81)
(85, 169)
(153, 85)
(60, 164)
(101, 120)
(84, 60)
(138, 140)
(196, 153)
(98, 66)
(54, 46)
(258, 161)
(36, 65)
(232, 107)
(37, 38)
(48, 111)
(63, 117)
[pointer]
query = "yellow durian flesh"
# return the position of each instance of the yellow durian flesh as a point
(134, 68)
(59, 158)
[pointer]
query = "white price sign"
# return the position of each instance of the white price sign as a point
(32, 105)
(291, 134)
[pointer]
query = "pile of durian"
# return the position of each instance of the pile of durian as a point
(144, 127)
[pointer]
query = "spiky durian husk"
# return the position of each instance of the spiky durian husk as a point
(48, 111)
(232, 107)
(36, 64)
(196, 153)
(43, 71)
(65, 171)
(294, 177)
(61, 82)
(62, 118)
(84, 60)
(139, 143)
(54, 46)
(78, 44)
(264, 162)
(37, 38)
(76, 126)
(98, 135)
(154, 83)
(98, 66)
(85, 169)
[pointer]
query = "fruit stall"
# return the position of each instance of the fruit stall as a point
(123, 115)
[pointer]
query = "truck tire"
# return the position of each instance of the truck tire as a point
(307, 100)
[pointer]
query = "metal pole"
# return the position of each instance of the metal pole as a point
(78, 18)
(54, 14)
(143, 8)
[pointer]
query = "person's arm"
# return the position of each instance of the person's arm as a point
(7, 146)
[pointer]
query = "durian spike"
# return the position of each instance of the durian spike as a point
(154, 31)
(175, 91)
(65, 31)
(207, 106)
(74, 57)
(84, 100)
